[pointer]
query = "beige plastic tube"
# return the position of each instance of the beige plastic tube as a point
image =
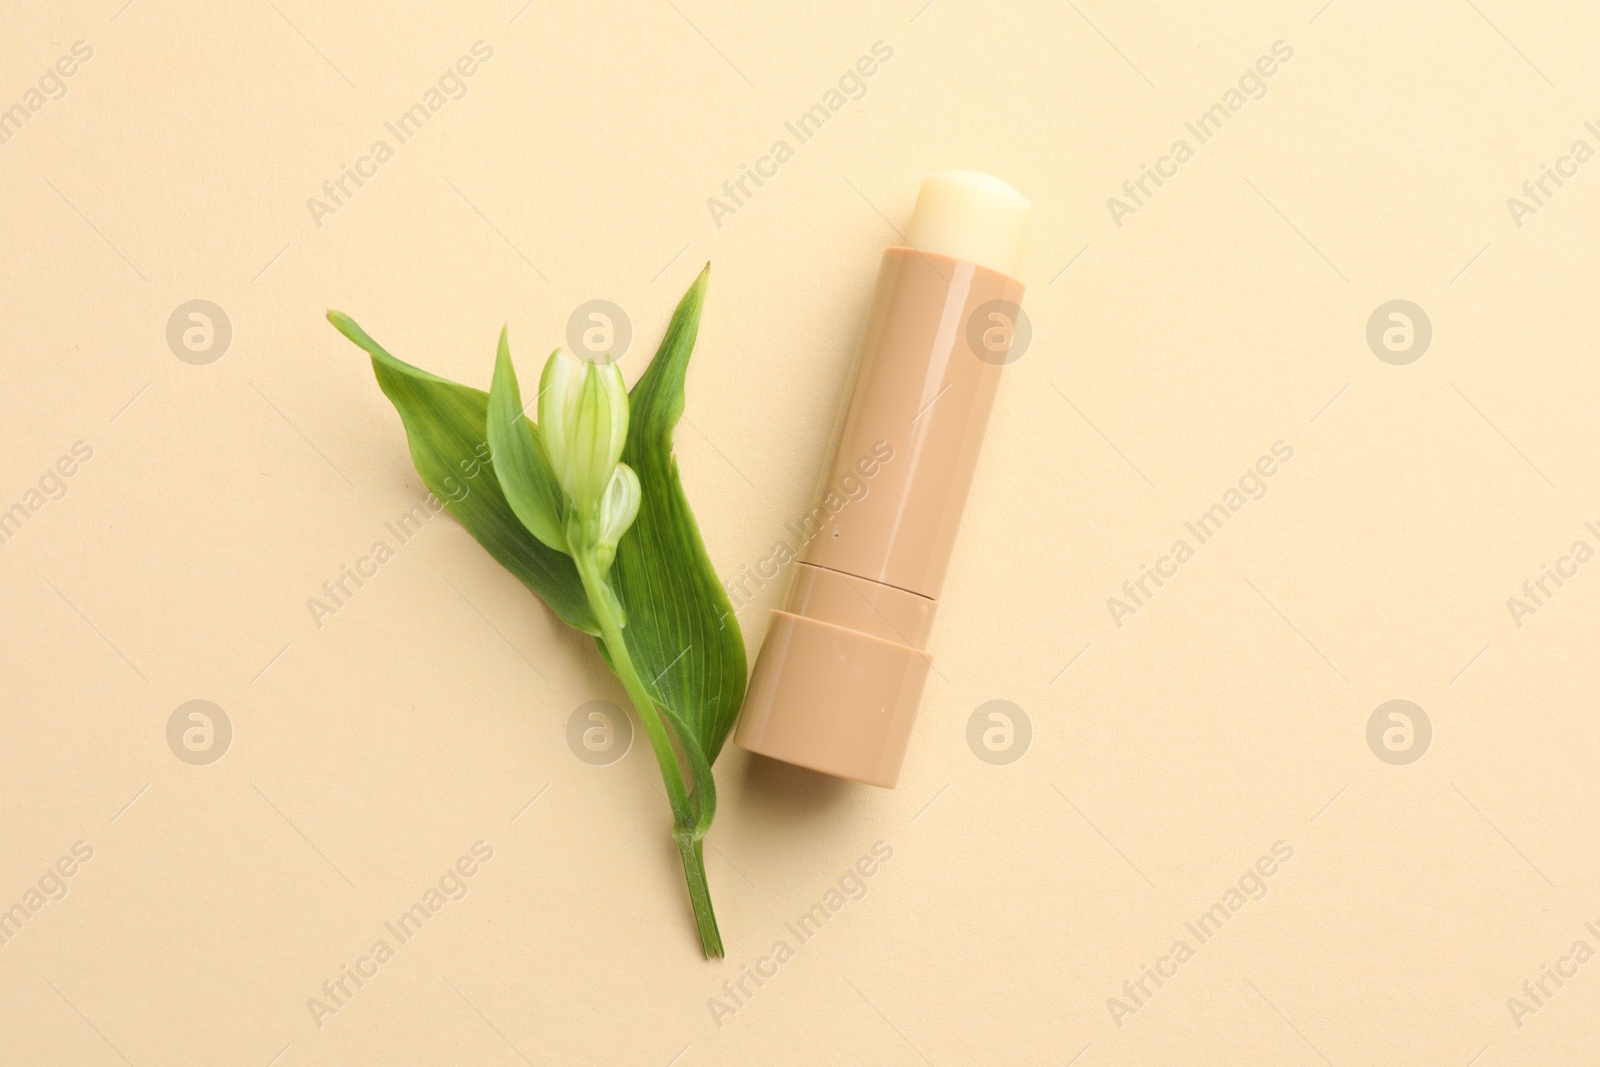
(840, 675)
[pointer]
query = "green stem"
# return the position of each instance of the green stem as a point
(686, 832)
(694, 871)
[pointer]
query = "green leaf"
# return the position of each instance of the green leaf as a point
(446, 427)
(681, 630)
(525, 475)
(703, 801)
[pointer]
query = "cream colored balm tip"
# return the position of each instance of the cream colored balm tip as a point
(973, 216)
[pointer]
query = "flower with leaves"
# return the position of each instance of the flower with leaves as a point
(586, 508)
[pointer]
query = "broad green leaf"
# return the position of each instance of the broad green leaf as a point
(681, 630)
(446, 427)
(525, 476)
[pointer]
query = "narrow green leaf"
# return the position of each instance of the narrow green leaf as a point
(681, 630)
(446, 428)
(525, 476)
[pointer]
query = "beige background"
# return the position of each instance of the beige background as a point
(1228, 714)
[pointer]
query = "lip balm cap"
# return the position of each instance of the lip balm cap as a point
(965, 214)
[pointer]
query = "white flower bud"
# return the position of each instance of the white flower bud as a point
(583, 423)
(620, 505)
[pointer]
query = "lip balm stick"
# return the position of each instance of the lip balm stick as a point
(839, 678)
